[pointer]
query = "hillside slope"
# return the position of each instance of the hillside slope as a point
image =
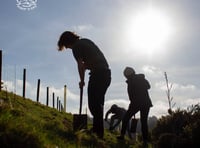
(24, 123)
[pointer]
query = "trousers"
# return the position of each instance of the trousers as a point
(99, 81)
(143, 117)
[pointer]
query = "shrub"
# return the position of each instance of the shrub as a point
(180, 129)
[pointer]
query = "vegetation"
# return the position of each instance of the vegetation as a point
(24, 123)
(179, 129)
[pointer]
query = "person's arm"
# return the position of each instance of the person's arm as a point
(120, 114)
(81, 70)
(108, 112)
(148, 86)
(146, 82)
(130, 90)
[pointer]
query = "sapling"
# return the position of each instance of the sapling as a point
(168, 92)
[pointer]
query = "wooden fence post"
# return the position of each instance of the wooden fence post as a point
(38, 90)
(53, 99)
(47, 96)
(24, 83)
(65, 97)
(62, 108)
(59, 106)
(57, 102)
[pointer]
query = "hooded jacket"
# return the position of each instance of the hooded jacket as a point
(138, 91)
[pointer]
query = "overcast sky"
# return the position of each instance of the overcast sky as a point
(152, 36)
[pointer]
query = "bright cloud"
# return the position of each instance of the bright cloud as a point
(151, 70)
(82, 28)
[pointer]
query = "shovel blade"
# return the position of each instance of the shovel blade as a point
(79, 122)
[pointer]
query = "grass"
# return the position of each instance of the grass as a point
(24, 123)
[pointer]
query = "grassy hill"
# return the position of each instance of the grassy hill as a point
(24, 123)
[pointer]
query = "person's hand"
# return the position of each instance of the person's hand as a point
(81, 84)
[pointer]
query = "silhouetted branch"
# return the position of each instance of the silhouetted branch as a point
(168, 92)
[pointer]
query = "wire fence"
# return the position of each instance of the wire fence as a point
(13, 79)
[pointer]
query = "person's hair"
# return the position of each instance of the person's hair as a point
(66, 38)
(128, 71)
(114, 106)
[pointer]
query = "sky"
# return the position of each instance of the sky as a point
(152, 36)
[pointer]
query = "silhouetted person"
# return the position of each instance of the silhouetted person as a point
(139, 101)
(118, 114)
(89, 57)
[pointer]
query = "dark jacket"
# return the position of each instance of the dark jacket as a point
(92, 56)
(138, 91)
(117, 111)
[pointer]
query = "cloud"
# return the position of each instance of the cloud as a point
(159, 108)
(82, 28)
(187, 87)
(119, 102)
(183, 94)
(161, 85)
(152, 70)
(160, 103)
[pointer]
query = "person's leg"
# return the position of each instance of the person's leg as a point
(112, 120)
(128, 129)
(144, 123)
(95, 103)
(130, 112)
(97, 87)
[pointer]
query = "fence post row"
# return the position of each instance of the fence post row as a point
(59, 104)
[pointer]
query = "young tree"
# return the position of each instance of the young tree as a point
(168, 92)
